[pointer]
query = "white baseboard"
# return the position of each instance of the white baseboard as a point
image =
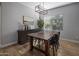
(2, 46)
(74, 41)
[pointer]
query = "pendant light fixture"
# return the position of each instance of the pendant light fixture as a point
(40, 9)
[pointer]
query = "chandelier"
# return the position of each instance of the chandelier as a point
(40, 9)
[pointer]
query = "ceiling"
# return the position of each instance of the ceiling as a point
(47, 5)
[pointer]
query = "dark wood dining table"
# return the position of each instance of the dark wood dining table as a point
(41, 35)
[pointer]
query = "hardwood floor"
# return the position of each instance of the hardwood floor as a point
(66, 49)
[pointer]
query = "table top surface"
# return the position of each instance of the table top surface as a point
(42, 34)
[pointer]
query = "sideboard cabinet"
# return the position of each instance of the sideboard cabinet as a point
(22, 35)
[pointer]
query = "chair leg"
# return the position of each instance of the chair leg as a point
(57, 46)
(53, 50)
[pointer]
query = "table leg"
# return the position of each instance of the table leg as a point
(46, 48)
(31, 43)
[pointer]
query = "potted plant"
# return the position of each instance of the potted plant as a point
(40, 23)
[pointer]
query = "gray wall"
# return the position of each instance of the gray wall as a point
(70, 20)
(12, 13)
(0, 24)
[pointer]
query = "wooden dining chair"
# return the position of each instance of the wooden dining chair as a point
(54, 42)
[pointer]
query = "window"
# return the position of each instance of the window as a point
(54, 22)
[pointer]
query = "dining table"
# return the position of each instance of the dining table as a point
(41, 35)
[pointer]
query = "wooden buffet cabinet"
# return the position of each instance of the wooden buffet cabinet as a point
(22, 35)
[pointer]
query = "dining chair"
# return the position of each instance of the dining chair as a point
(54, 42)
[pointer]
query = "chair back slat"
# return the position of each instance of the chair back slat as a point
(55, 38)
